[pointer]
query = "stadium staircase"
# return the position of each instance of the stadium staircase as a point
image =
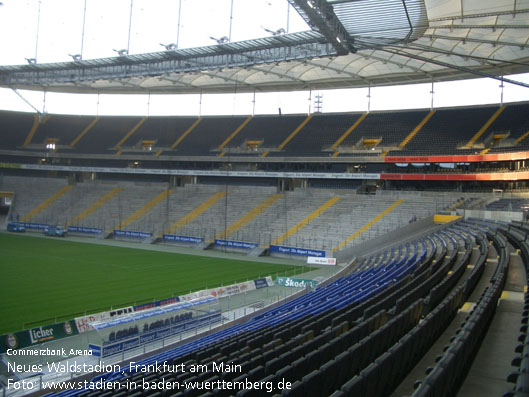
(145, 209)
(196, 212)
(186, 133)
(367, 225)
(233, 134)
(292, 135)
(249, 216)
(84, 132)
(46, 203)
(484, 128)
(129, 134)
(318, 212)
(416, 130)
(37, 120)
(346, 134)
(94, 206)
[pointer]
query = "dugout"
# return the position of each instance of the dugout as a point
(142, 327)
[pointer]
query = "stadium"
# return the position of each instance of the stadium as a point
(292, 198)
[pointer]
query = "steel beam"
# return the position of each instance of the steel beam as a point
(320, 16)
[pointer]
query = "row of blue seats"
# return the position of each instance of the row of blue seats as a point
(329, 364)
(358, 287)
(396, 363)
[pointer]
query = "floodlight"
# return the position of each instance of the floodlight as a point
(76, 57)
(169, 47)
(277, 32)
(122, 52)
(222, 40)
(31, 61)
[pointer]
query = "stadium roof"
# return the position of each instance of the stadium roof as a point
(353, 43)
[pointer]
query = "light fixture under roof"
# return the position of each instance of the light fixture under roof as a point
(170, 46)
(222, 40)
(122, 52)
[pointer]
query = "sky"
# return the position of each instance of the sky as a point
(59, 24)
(106, 25)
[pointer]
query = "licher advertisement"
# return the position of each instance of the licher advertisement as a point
(34, 336)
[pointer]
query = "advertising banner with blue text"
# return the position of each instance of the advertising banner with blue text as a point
(235, 244)
(182, 239)
(82, 229)
(31, 225)
(280, 249)
(130, 233)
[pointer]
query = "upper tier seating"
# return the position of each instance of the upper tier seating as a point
(321, 132)
(208, 135)
(514, 122)
(164, 131)
(64, 129)
(14, 127)
(448, 129)
(271, 130)
(446, 132)
(391, 127)
(104, 135)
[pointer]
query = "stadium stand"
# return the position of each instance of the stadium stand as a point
(517, 235)
(511, 126)
(390, 309)
(320, 133)
(509, 205)
(60, 130)
(339, 339)
(489, 129)
(270, 131)
(208, 135)
(390, 128)
(391, 194)
(388, 315)
(162, 132)
(105, 135)
(299, 218)
(32, 192)
(448, 374)
(449, 129)
(15, 128)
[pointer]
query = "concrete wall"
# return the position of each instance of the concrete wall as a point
(506, 216)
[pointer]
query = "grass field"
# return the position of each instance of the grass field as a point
(44, 278)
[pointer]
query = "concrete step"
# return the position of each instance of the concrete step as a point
(203, 245)
(257, 252)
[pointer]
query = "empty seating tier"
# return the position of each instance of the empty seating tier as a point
(443, 131)
(362, 333)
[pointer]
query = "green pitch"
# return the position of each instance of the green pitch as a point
(44, 278)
